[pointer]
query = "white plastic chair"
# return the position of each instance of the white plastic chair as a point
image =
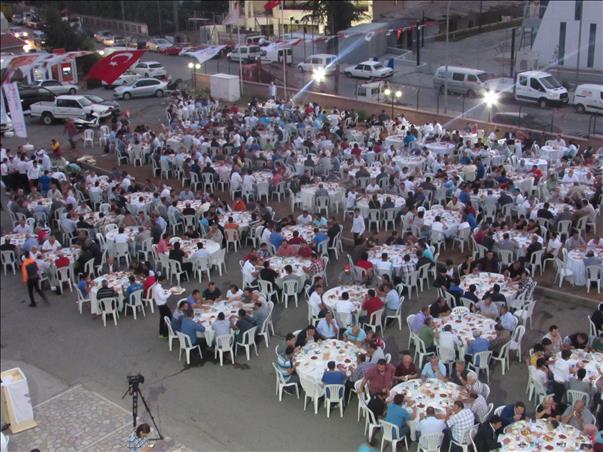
(64, 277)
(148, 299)
(397, 315)
(370, 423)
(312, 391)
(248, 341)
(232, 238)
(420, 350)
(135, 303)
(81, 299)
(389, 431)
(290, 289)
(574, 395)
(503, 357)
(109, 307)
(89, 137)
(9, 259)
(563, 272)
(375, 320)
(484, 363)
(467, 440)
(460, 310)
(281, 384)
(430, 442)
(187, 346)
(334, 394)
(224, 344)
(171, 334)
(593, 275)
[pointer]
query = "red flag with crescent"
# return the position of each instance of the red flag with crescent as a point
(112, 66)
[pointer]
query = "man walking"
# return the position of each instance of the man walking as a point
(31, 277)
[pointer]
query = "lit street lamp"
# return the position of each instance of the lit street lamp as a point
(491, 100)
(319, 75)
(393, 96)
(194, 67)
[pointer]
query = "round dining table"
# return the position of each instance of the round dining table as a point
(395, 255)
(424, 393)
(356, 293)
(440, 148)
(312, 359)
(362, 202)
(207, 314)
(307, 192)
(450, 219)
(541, 435)
(552, 153)
(484, 282)
(575, 262)
(464, 324)
(592, 362)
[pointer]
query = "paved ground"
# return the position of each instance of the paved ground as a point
(204, 407)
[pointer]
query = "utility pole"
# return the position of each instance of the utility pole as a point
(447, 58)
(159, 17)
(513, 53)
(579, 45)
(175, 12)
(418, 43)
(123, 16)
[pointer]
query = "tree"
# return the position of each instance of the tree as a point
(338, 15)
(59, 35)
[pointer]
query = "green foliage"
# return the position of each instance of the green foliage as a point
(59, 35)
(338, 15)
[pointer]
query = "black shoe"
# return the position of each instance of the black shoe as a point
(32, 305)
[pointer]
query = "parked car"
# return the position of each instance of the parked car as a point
(540, 87)
(462, 80)
(149, 69)
(127, 78)
(101, 35)
(527, 120)
(71, 107)
(17, 19)
(100, 101)
(115, 41)
(18, 32)
(589, 98)
(175, 49)
(369, 69)
(319, 61)
(247, 54)
(141, 88)
(158, 44)
(56, 87)
(31, 94)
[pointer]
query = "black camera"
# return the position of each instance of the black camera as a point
(135, 379)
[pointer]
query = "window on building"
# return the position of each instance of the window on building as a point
(561, 52)
(592, 39)
(578, 10)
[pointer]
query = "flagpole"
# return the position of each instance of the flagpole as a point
(284, 53)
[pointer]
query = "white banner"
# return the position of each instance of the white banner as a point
(11, 91)
(205, 54)
(281, 45)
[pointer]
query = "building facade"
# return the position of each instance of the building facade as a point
(570, 36)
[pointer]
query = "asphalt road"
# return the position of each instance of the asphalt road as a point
(417, 92)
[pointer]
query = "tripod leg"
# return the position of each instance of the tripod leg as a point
(134, 407)
(144, 402)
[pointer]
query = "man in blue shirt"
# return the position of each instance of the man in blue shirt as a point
(398, 415)
(133, 287)
(392, 299)
(331, 376)
(434, 368)
(513, 413)
(190, 327)
(276, 238)
(479, 344)
(319, 236)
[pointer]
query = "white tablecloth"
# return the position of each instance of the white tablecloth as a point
(362, 202)
(395, 254)
(313, 358)
(441, 148)
(592, 363)
(575, 262)
(552, 154)
(356, 293)
(336, 193)
(208, 313)
(464, 324)
(522, 239)
(541, 164)
(450, 219)
(539, 436)
(430, 393)
(410, 162)
(484, 281)
(305, 232)
(396, 141)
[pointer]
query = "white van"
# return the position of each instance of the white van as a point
(319, 61)
(589, 98)
(462, 80)
(246, 54)
(540, 87)
(276, 55)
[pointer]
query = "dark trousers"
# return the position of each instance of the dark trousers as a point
(32, 284)
(164, 310)
(559, 391)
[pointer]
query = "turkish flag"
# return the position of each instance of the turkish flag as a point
(112, 66)
(272, 4)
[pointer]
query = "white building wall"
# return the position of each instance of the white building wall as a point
(546, 44)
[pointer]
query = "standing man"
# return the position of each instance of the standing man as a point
(31, 277)
(160, 296)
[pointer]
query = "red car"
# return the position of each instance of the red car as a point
(176, 48)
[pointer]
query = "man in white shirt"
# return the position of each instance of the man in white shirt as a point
(121, 236)
(448, 340)
(344, 305)
(315, 301)
(248, 182)
(200, 251)
(22, 228)
(51, 244)
(236, 181)
(358, 226)
(562, 369)
(429, 425)
(437, 225)
(249, 272)
(384, 265)
(373, 187)
(305, 219)
(161, 296)
(327, 328)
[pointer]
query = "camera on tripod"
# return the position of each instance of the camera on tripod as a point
(135, 380)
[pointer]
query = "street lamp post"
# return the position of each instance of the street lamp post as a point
(392, 96)
(194, 67)
(491, 100)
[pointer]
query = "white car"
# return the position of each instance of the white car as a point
(140, 88)
(158, 44)
(19, 32)
(127, 78)
(101, 35)
(149, 69)
(369, 69)
(114, 41)
(56, 87)
(321, 61)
